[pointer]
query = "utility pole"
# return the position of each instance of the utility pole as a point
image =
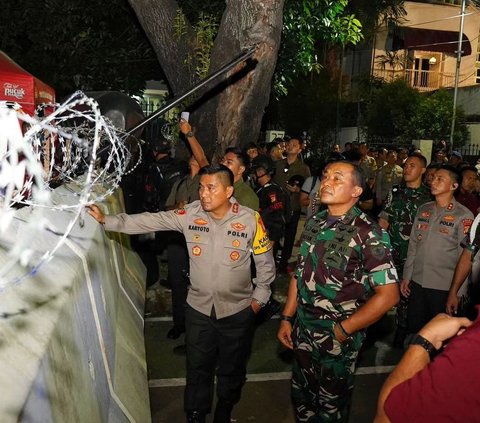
(457, 70)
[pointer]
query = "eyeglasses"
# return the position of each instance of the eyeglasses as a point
(261, 176)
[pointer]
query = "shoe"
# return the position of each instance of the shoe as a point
(175, 332)
(223, 412)
(195, 417)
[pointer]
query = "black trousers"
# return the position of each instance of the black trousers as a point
(289, 240)
(221, 344)
(423, 305)
(178, 276)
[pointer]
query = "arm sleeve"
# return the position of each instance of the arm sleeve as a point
(445, 390)
(411, 253)
(146, 222)
(264, 262)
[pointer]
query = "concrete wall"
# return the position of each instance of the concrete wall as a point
(71, 336)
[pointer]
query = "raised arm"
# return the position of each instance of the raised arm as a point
(197, 149)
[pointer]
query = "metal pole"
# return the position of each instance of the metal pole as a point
(190, 91)
(457, 71)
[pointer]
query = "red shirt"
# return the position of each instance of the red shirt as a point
(446, 390)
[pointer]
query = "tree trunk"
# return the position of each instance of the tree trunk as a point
(232, 112)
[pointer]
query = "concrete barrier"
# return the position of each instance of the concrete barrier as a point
(71, 335)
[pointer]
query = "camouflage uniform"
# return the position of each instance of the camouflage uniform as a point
(341, 261)
(399, 211)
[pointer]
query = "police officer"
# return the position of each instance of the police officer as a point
(221, 235)
(434, 249)
(345, 280)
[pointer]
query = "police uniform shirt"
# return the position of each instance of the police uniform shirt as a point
(341, 261)
(435, 244)
(387, 177)
(220, 252)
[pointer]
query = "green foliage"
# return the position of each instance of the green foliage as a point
(389, 111)
(79, 45)
(307, 24)
(397, 113)
(432, 119)
(205, 30)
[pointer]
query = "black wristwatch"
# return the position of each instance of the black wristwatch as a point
(425, 343)
(189, 134)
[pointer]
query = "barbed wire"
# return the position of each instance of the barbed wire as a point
(64, 158)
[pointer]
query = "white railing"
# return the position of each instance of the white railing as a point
(420, 79)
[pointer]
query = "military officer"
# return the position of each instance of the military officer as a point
(345, 280)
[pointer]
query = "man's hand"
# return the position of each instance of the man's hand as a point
(443, 327)
(452, 303)
(339, 335)
(96, 213)
(405, 287)
(285, 334)
(255, 306)
(184, 126)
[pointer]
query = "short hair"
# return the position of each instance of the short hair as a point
(240, 154)
(468, 167)
(454, 173)
(271, 145)
(357, 173)
(222, 171)
(251, 145)
(420, 157)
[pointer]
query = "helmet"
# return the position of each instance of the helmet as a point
(263, 162)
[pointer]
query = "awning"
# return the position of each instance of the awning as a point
(429, 40)
(18, 85)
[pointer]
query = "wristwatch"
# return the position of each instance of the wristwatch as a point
(259, 302)
(424, 343)
(189, 134)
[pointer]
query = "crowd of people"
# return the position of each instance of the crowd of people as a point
(382, 230)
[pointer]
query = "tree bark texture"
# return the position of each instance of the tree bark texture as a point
(232, 112)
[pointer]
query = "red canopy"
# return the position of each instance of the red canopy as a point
(16, 84)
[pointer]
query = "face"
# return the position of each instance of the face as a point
(391, 158)
(413, 169)
(276, 153)
(294, 146)
(363, 149)
(337, 186)
(234, 164)
(442, 182)
(429, 173)
(214, 195)
(469, 180)
(261, 176)
(252, 153)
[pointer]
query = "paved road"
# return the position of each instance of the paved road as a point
(266, 395)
